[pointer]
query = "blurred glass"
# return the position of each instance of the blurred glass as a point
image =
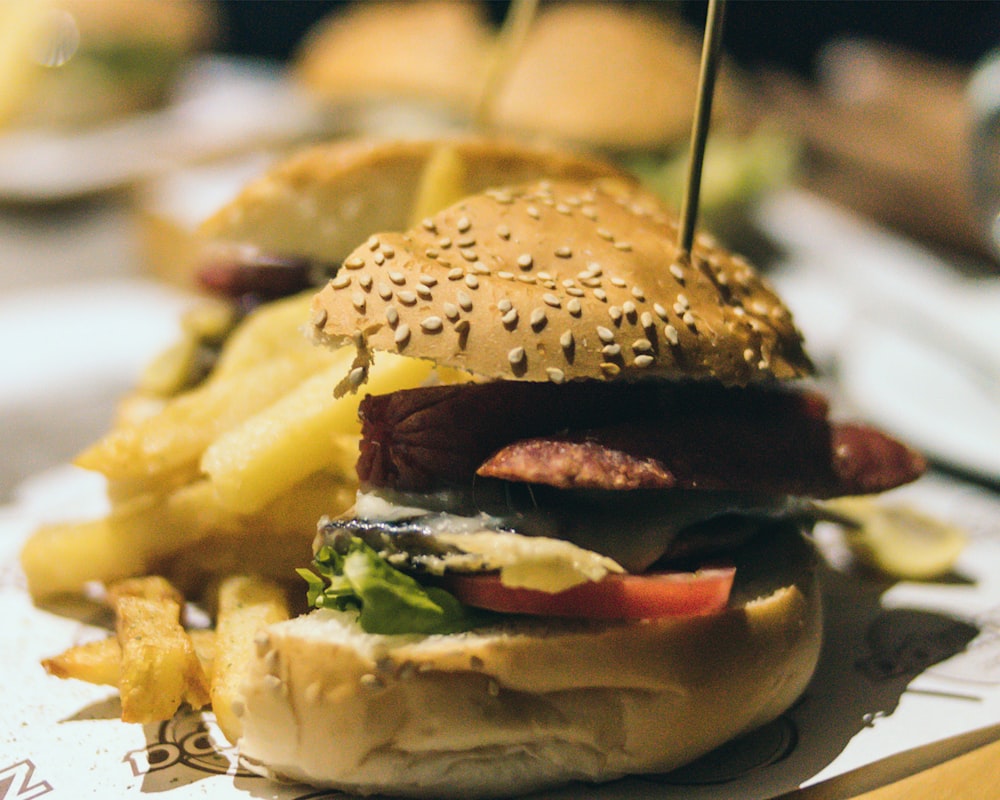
(984, 101)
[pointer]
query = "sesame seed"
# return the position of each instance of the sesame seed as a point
(507, 276)
(463, 224)
(610, 370)
(428, 280)
(431, 324)
(356, 376)
(682, 299)
(358, 301)
(646, 320)
(444, 242)
(563, 252)
(562, 208)
(638, 293)
(341, 281)
(516, 355)
(670, 333)
(623, 246)
(574, 307)
(428, 225)
(456, 274)
(589, 212)
(388, 250)
(551, 300)
(524, 261)
(365, 281)
(605, 234)
(619, 282)
(397, 277)
(384, 291)
(424, 291)
(611, 350)
(373, 243)
(661, 312)
(749, 355)
(642, 345)
(533, 212)
(407, 298)
(319, 317)
(688, 319)
(605, 334)
(464, 301)
(466, 241)
(472, 281)
(575, 291)
(601, 295)
(509, 317)
(504, 305)
(615, 313)
(481, 268)
(391, 316)
(402, 335)
(526, 278)
(566, 340)
(643, 361)
(538, 318)
(468, 254)
(677, 272)
(450, 311)
(354, 262)
(430, 252)
(555, 375)
(595, 269)
(378, 258)
(545, 276)
(503, 231)
(629, 308)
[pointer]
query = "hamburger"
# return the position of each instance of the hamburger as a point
(587, 561)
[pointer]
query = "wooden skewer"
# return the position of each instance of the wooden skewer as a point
(515, 27)
(711, 50)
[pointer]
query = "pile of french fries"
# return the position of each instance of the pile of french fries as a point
(158, 664)
(215, 492)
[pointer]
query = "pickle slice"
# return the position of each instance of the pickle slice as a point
(898, 540)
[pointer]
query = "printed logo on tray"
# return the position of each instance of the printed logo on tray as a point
(187, 747)
(18, 781)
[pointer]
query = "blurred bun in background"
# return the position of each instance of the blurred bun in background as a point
(77, 63)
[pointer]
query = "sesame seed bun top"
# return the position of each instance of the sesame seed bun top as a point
(559, 281)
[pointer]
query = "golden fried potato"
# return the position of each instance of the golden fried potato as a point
(246, 605)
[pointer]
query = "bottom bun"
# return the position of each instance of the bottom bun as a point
(534, 702)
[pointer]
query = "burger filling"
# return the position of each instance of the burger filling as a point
(578, 499)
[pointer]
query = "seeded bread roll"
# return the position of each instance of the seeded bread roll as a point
(558, 281)
(320, 202)
(532, 703)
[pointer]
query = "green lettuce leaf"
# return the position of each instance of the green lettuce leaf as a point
(389, 601)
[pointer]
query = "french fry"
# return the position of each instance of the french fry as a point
(256, 462)
(159, 666)
(150, 536)
(246, 605)
(100, 661)
(272, 330)
(172, 441)
(97, 662)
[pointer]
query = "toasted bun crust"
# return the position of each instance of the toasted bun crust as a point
(558, 281)
(320, 202)
(436, 52)
(534, 703)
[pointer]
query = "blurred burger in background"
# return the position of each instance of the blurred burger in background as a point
(69, 64)
(616, 78)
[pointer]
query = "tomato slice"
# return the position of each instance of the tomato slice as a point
(647, 596)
